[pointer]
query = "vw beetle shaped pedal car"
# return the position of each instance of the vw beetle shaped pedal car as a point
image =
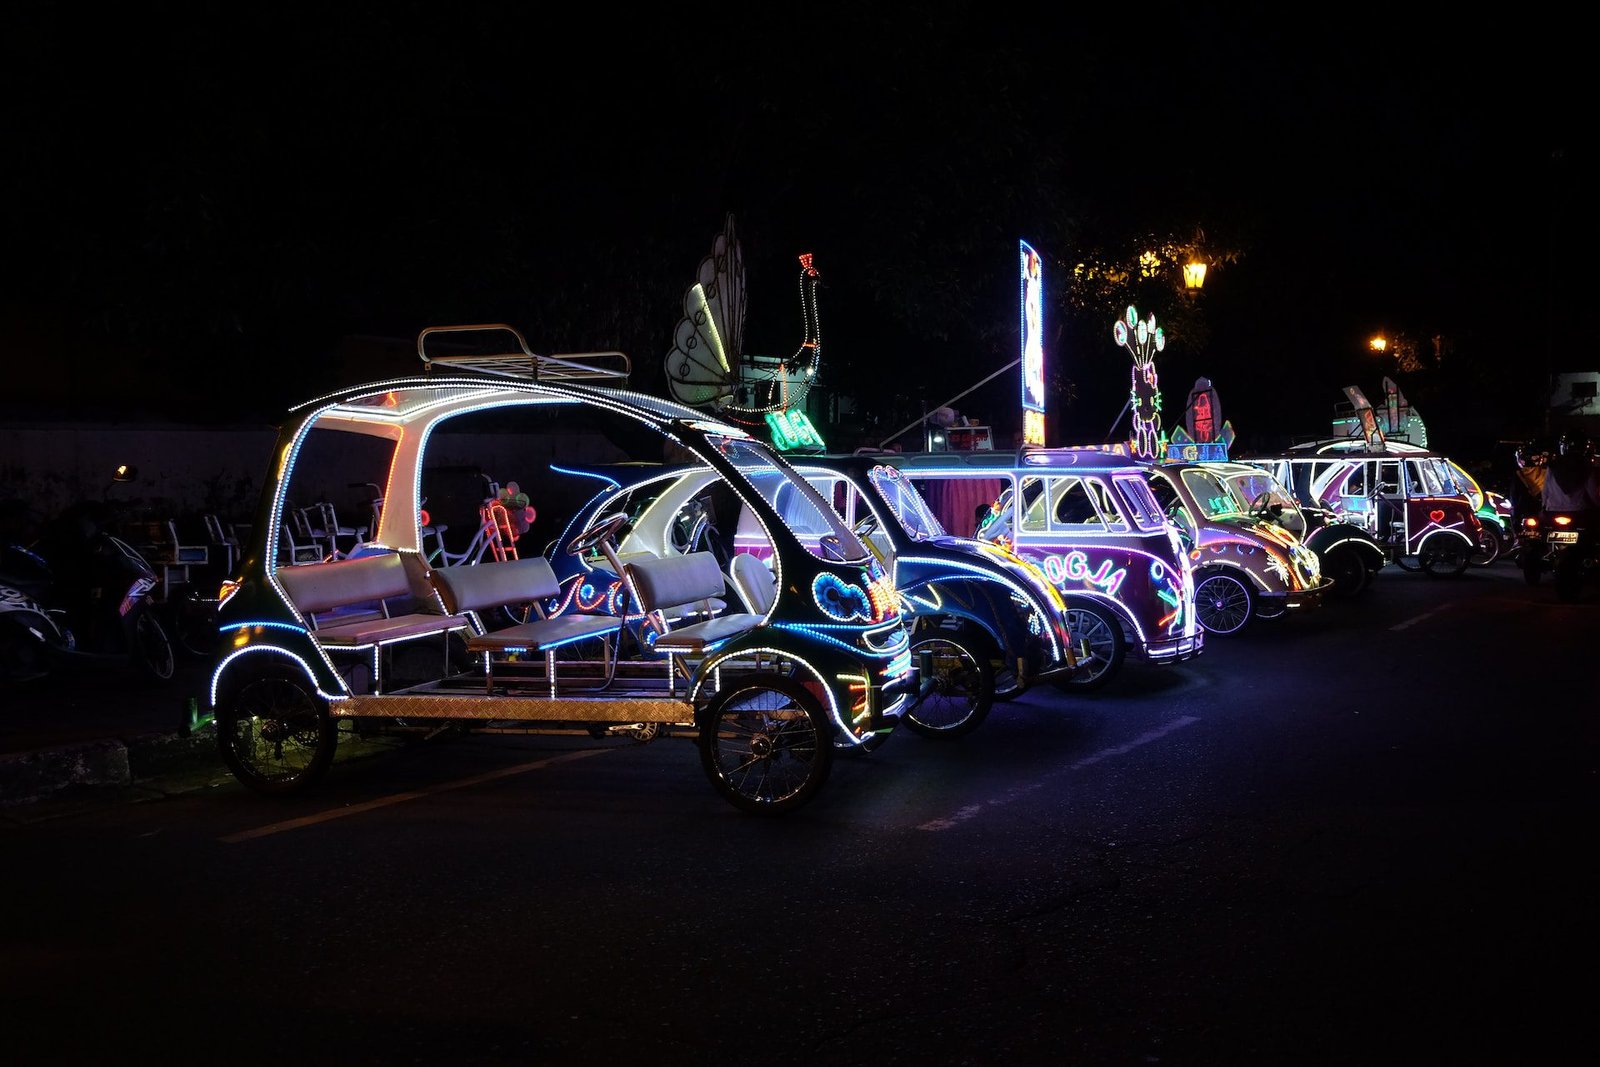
(384, 641)
(1245, 568)
(1085, 519)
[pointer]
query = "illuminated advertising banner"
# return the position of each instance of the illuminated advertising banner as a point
(1032, 345)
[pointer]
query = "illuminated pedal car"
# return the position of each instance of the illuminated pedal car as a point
(985, 624)
(1087, 521)
(1244, 568)
(1402, 494)
(387, 642)
(1349, 556)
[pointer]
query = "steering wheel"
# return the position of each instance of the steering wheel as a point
(866, 524)
(596, 535)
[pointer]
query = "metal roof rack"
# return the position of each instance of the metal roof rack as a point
(523, 363)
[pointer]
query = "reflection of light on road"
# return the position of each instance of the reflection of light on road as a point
(973, 810)
(383, 802)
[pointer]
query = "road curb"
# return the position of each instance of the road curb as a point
(43, 774)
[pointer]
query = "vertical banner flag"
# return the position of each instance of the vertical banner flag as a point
(1032, 346)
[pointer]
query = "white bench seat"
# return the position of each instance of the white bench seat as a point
(346, 602)
(669, 584)
(479, 587)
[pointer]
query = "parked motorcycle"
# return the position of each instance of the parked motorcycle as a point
(79, 594)
(1556, 543)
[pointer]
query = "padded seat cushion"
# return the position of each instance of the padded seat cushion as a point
(377, 629)
(696, 636)
(473, 587)
(538, 634)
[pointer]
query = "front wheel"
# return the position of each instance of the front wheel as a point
(152, 649)
(275, 733)
(1097, 644)
(956, 687)
(1444, 556)
(765, 744)
(1223, 603)
(194, 624)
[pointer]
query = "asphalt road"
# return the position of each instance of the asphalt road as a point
(1356, 836)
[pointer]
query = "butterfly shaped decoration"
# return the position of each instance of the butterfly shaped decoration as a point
(706, 366)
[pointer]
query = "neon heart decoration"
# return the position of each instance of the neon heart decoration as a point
(1436, 515)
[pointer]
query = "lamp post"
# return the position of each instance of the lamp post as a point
(1194, 276)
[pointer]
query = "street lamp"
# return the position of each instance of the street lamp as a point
(1194, 275)
(1379, 344)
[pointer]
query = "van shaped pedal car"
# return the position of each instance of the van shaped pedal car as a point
(384, 641)
(1405, 496)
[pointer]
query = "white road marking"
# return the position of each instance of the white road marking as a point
(397, 798)
(972, 811)
(1416, 619)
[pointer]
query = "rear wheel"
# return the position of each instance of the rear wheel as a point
(275, 733)
(1532, 563)
(1444, 556)
(1097, 643)
(1488, 547)
(1347, 570)
(1223, 603)
(765, 745)
(1568, 576)
(956, 687)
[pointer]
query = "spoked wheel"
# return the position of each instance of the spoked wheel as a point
(1098, 644)
(956, 687)
(1408, 563)
(194, 624)
(1348, 572)
(1444, 556)
(1488, 547)
(152, 650)
(765, 744)
(275, 733)
(1223, 603)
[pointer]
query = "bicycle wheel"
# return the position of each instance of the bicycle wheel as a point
(956, 687)
(765, 744)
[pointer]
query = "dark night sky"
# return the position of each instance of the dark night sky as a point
(194, 190)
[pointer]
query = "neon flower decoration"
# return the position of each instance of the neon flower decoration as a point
(1143, 339)
(840, 599)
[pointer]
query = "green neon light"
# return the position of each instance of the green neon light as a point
(792, 429)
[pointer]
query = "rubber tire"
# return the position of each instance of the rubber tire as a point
(1532, 567)
(973, 678)
(1488, 548)
(1451, 562)
(1568, 576)
(152, 652)
(1109, 648)
(271, 699)
(809, 743)
(1350, 575)
(194, 627)
(1233, 589)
